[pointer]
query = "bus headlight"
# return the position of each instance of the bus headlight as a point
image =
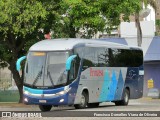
(25, 99)
(63, 92)
(26, 92)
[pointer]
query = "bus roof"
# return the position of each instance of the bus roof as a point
(70, 43)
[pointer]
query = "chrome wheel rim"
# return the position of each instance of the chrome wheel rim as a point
(126, 97)
(82, 100)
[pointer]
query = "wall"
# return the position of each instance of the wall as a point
(5, 78)
(129, 29)
(8, 91)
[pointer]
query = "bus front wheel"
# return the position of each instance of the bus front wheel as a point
(84, 101)
(45, 108)
(125, 100)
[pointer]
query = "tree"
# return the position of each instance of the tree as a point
(21, 21)
(18, 23)
(91, 16)
(137, 18)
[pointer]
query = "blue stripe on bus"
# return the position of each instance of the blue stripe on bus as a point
(120, 86)
(34, 91)
(113, 87)
(53, 91)
(105, 87)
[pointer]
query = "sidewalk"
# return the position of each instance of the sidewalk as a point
(13, 104)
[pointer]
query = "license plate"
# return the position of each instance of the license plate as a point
(42, 101)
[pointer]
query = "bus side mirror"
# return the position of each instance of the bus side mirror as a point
(18, 63)
(69, 61)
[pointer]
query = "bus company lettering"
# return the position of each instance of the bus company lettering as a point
(96, 72)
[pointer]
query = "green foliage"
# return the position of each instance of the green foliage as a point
(158, 22)
(21, 20)
(92, 16)
(18, 20)
(18, 23)
(158, 27)
(20, 17)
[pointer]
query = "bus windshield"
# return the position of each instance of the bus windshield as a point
(46, 69)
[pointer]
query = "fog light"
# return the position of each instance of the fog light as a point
(62, 100)
(25, 99)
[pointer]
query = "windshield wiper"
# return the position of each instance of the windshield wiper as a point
(48, 73)
(38, 76)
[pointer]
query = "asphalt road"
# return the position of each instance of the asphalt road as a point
(135, 107)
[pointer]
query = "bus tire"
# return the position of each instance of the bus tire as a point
(45, 108)
(125, 100)
(93, 105)
(84, 101)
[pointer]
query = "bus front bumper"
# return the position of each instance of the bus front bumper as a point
(57, 100)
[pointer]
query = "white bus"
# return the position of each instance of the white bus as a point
(82, 72)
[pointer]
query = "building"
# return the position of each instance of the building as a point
(152, 65)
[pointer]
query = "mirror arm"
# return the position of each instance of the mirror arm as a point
(18, 63)
(69, 61)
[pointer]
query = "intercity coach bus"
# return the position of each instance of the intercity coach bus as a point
(82, 72)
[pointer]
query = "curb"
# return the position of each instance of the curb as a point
(148, 98)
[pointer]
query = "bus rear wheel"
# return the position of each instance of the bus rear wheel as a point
(45, 108)
(84, 101)
(125, 100)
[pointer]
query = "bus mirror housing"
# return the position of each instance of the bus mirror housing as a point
(18, 63)
(69, 61)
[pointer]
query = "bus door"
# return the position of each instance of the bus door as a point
(73, 67)
(141, 80)
(132, 81)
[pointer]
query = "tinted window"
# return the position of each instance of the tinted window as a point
(107, 57)
(103, 57)
(88, 57)
(126, 58)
